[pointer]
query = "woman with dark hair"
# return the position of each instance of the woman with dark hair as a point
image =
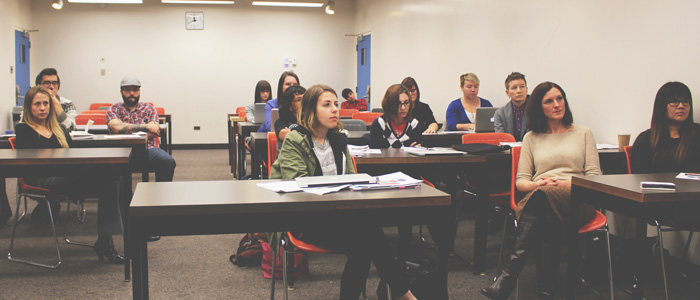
(461, 113)
(672, 144)
(290, 107)
(396, 127)
(421, 110)
(263, 92)
(552, 152)
(287, 79)
(40, 129)
(317, 148)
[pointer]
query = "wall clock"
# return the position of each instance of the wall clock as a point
(194, 20)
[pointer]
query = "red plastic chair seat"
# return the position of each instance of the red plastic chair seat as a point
(598, 222)
(301, 245)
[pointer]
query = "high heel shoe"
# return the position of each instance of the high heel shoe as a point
(104, 248)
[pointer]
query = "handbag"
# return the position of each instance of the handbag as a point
(301, 263)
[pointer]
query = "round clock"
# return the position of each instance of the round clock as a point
(194, 20)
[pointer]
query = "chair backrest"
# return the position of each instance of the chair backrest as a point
(160, 110)
(94, 112)
(242, 115)
(12, 142)
(82, 119)
(493, 138)
(354, 125)
(354, 163)
(271, 151)
(240, 109)
(514, 196)
(348, 112)
(100, 106)
(628, 154)
(368, 117)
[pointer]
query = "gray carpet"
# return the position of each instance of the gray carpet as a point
(197, 267)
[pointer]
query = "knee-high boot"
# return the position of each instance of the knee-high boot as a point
(547, 258)
(526, 235)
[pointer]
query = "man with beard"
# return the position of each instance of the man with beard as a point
(131, 116)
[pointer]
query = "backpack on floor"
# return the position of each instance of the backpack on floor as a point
(250, 251)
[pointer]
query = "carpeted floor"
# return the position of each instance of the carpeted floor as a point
(197, 267)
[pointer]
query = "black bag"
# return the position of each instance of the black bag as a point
(250, 252)
(480, 148)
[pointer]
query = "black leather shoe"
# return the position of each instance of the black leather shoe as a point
(104, 247)
(153, 238)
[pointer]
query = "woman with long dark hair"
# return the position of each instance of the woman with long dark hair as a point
(421, 110)
(396, 127)
(554, 150)
(263, 92)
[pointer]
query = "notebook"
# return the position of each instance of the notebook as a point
(484, 119)
(259, 113)
(313, 181)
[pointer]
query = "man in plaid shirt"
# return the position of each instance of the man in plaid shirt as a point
(131, 116)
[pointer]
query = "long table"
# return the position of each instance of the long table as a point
(622, 194)
(68, 162)
(165, 139)
(178, 208)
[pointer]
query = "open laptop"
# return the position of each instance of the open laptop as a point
(484, 119)
(259, 113)
(316, 181)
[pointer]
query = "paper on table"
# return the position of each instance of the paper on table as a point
(692, 176)
(325, 189)
(389, 181)
(287, 186)
(121, 136)
(512, 144)
(80, 135)
(362, 150)
(606, 146)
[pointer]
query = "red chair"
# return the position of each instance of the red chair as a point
(348, 112)
(368, 117)
(94, 112)
(100, 106)
(98, 119)
(160, 110)
(271, 151)
(599, 222)
(240, 109)
(25, 190)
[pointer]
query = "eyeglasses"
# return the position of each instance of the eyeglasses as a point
(413, 90)
(407, 103)
(49, 83)
(131, 89)
(675, 102)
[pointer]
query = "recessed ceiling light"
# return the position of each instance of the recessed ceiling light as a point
(287, 4)
(108, 1)
(196, 2)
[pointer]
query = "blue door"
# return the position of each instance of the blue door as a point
(21, 66)
(363, 68)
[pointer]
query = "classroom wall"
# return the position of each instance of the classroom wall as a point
(610, 57)
(196, 75)
(14, 15)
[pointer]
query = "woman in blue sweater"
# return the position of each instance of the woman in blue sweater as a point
(461, 113)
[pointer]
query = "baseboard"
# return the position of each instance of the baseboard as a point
(198, 146)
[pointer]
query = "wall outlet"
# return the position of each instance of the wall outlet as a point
(197, 128)
(102, 72)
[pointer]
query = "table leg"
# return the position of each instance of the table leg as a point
(125, 201)
(140, 266)
(5, 210)
(241, 156)
(640, 233)
(480, 231)
(572, 239)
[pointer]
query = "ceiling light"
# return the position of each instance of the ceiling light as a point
(108, 1)
(57, 4)
(330, 7)
(196, 2)
(287, 4)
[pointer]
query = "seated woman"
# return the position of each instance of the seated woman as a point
(672, 144)
(263, 91)
(39, 129)
(316, 148)
(421, 110)
(287, 79)
(552, 152)
(461, 113)
(290, 107)
(396, 128)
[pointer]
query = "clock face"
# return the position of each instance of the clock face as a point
(194, 20)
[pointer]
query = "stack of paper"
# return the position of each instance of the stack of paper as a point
(81, 135)
(362, 150)
(389, 181)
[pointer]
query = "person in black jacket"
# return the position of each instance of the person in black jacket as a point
(421, 110)
(40, 129)
(396, 127)
(290, 107)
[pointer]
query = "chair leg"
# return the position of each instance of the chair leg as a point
(610, 270)
(14, 230)
(503, 243)
(661, 253)
(272, 279)
(284, 273)
(80, 211)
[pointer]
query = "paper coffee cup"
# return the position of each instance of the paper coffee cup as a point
(623, 140)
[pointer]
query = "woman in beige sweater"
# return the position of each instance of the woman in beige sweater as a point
(552, 152)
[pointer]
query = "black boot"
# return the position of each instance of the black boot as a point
(547, 258)
(104, 247)
(507, 280)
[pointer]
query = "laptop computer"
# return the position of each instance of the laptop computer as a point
(259, 113)
(315, 181)
(484, 119)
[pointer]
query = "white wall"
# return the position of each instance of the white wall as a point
(198, 76)
(609, 56)
(14, 15)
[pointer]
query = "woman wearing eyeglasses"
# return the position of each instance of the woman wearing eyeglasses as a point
(672, 144)
(421, 110)
(396, 127)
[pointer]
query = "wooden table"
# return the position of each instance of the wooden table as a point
(232, 120)
(178, 208)
(69, 162)
(241, 130)
(165, 139)
(622, 194)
